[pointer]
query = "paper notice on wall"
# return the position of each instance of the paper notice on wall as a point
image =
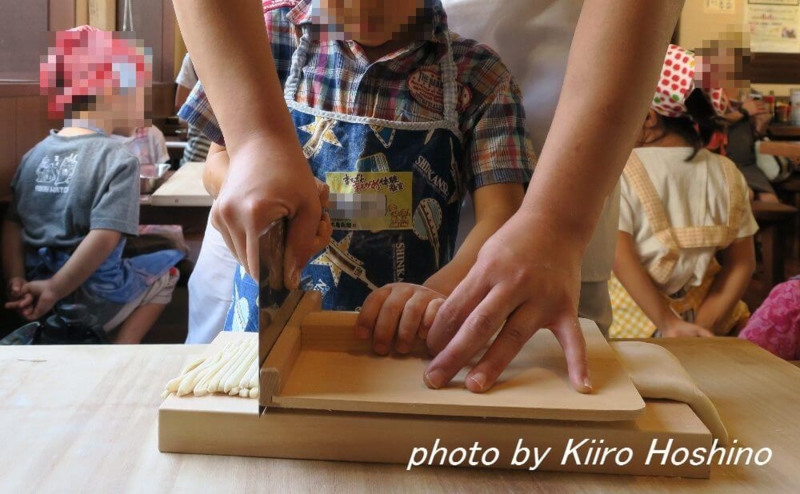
(719, 6)
(774, 25)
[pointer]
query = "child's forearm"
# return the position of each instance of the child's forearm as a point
(91, 252)
(729, 285)
(640, 286)
(494, 205)
(13, 250)
(216, 169)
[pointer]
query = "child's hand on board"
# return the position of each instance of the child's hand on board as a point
(679, 327)
(399, 312)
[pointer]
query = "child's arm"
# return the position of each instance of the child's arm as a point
(91, 252)
(494, 205)
(13, 259)
(738, 264)
(408, 310)
(646, 295)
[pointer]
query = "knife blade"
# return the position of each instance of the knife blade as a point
(275, 305)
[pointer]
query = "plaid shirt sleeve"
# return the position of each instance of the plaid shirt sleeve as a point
(497, 146)
(197, 110)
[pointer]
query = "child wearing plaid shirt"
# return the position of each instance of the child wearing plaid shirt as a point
(399, 132)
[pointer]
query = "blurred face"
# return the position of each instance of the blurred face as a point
(119, 108)
(723, 65)
(129, 109)
(369, 22)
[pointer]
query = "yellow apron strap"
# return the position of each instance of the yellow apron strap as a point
(736, 198)
(637, 176)
(717, 235)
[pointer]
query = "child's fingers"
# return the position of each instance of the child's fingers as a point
(410, 321)
(15, 287)
(20, 303)
(41, 308)
(429, 317)
(27, 313)
(389, 319)
(368, 316)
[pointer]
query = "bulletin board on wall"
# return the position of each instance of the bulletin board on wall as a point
(774, 40)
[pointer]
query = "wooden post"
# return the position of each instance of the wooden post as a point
(103, 14)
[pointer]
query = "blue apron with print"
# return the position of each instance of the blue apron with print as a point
(395, 188)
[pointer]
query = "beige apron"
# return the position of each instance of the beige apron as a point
(629, 320)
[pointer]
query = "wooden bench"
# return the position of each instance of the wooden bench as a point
(772, 220)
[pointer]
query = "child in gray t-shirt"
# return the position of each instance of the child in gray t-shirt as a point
(76, 194)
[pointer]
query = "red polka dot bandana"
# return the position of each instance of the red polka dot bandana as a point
(676, 83)
(86, 61)
(719, 100)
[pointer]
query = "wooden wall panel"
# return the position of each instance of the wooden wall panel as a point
(169, 24)
(32, 123)
(163, 102)
(81, 12)
(24, 27)
(61, 14)
(103, 14)
(775, 68)
(8, 143)
(154, 22)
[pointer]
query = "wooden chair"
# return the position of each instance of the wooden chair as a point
(773, 218)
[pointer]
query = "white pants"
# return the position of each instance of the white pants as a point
(210, 288)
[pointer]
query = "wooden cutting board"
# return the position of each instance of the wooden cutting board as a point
(335, 371)
(226, 425)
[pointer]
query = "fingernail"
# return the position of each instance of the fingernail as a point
(402, 348)
(434, 379)
(479, 378)
(380, 349)
(295, 278)
(588, 384)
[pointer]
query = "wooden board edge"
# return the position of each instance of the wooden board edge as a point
(378, 438)
(577, 415)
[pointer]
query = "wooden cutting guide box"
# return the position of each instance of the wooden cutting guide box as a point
(327, 397)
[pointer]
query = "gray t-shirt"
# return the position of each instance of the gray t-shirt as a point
(67, 186)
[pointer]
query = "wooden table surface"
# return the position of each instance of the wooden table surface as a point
(183, 188)
(85, 419)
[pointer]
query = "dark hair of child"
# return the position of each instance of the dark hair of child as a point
(698, 130)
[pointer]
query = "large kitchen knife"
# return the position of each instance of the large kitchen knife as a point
(275, 302)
